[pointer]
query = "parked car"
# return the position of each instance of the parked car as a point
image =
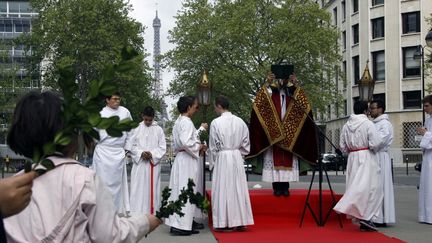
(248, 167)
(334, 162)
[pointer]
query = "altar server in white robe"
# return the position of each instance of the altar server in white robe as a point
(363, 195)
(148, 148)
(68, 203)
(185, 166)
(229, 143)
(385, 130)
(109, 161)
(425, 190)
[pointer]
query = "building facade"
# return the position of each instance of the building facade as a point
(387, 33)
(16, 18)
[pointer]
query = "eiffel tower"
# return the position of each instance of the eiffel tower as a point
(157, 87)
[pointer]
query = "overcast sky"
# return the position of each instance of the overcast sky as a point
(144, 11)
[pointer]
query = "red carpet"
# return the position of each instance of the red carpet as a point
(277, 219)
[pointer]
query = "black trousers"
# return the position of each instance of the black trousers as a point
(280, 186)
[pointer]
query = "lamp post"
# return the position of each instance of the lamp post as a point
(419, 54)
(366, 85)
(204, 96)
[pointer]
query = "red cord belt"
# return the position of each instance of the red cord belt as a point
(359, 149)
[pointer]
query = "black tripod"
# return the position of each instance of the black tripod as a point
(320, 221)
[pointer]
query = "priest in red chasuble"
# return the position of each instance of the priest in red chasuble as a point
(281, 131)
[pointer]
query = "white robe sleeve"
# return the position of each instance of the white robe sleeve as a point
(386, 135)
(188, 140)
(133, 143)
(160, 150)
(213, 145)
(374, 138)
(103, 223)
(426, 142)
(129, 135)
(342, 143)
(245, 146)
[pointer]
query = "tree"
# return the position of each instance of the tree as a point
(428, 59)
(237, 41)
(88, 34)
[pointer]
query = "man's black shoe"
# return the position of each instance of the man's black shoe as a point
(286, 193)
(380, 225)
(367, 226)
(176, 231)
(277, 193)
(197, 226)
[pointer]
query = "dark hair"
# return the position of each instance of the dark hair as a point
(148, 111)
(427, 99)
(360, 107)
(35, 122)
(380, 104)
(184, 103)
(117, 93)
(222, 101)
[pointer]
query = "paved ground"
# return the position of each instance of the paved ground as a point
(406, 196)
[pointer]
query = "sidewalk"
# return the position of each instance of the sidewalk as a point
(407, 228)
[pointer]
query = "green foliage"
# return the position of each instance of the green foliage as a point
(85, 35)
(203, 136)
(237, 41)
(428, 60)
(82, 119)
(175, 207)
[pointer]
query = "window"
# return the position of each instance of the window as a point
(345, 107)
(335, 19)
(377, 28)
(13, 7)
(344, 40)
(377, 2)
(18, 27)
(355, 5)
(337, 109)
(411, 22)
(379, 97)
(26, 26)
(409, 133)
(3, 7)
(343, 11)
(411, 66)
(344, 73)
(355, 30)
(412, 99)
(25, 7)
(356, 69)
(378, 64)
(6, 26)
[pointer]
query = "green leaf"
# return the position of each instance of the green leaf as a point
(27, 166)
(94, 134)
(48, 164)
(93, 89)
(40, 171)
(49, 148)
(36, 155)
(64, 140)
(94, 119)
(108, 89)
(114, 132)
(107, 122)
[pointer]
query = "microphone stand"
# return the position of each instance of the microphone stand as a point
(320, 221)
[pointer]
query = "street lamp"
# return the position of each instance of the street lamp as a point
(366, 85)
(204, 96)
(419, 54)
